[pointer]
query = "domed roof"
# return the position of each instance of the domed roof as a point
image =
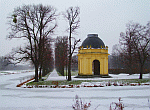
(93, 40)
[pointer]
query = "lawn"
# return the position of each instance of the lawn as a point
(78, 82)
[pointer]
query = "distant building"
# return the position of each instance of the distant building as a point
(93, 57)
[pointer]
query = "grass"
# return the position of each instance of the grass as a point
(4, 72)
(77, 82)
(137, 80)
(64, 82)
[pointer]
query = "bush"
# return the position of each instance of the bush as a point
(117, 106)
(79, 105)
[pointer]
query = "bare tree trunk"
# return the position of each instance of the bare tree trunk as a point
(36, 73)
(62, 69)
(141, 72)
(66, 68)
(40, 72)
(69, 65)
(69, 69)
(43, 71)
(141, 76)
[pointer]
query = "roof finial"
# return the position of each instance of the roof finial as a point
(92, 35)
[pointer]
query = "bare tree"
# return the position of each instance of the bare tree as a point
(47, 59)
(127, 52)
(61, 53)
(136, 41)
(32, 23)
(72, 15)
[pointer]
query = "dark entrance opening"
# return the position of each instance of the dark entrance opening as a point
(96, 67)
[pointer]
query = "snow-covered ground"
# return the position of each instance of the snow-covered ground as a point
(13, 98)
(120, 76)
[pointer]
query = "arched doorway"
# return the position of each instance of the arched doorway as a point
(96, 67)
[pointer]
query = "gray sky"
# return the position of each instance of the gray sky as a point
(107, 18)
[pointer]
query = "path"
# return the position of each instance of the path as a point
(54, 73)
(53, 76)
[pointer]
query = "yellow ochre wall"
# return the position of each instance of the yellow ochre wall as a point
(86, 58)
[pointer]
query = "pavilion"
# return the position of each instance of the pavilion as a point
(93, 57)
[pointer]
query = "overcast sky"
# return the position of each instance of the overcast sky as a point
(107, 18)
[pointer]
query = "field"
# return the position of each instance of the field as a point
(20, 98)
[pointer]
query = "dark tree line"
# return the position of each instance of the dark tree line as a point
(3, 63)
(47, 60)
(133, 50)
(61, 53)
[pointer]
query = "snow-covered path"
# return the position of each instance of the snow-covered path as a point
(13, 98)
(53, 74)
